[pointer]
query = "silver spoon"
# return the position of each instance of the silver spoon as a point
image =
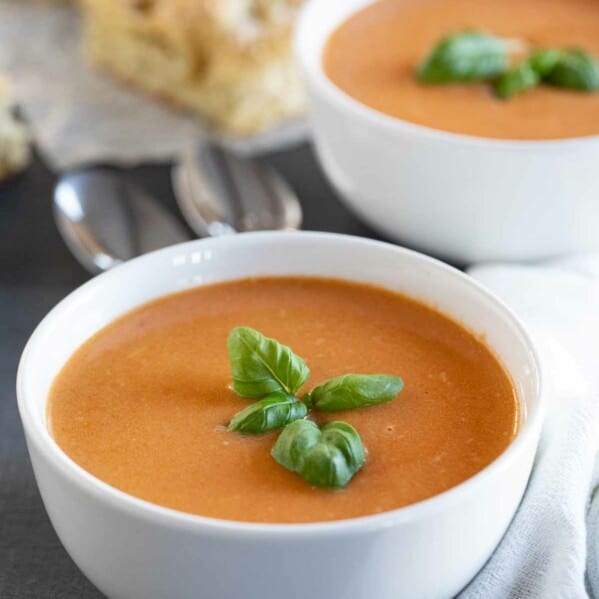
(220, 193)
(105, 220)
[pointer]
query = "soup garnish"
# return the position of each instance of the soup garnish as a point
(327, 457)
(474, 56)
(260, 365)
(466, 56)
(272, 412)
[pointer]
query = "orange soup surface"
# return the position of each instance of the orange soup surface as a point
(143, 405)
(374, 54)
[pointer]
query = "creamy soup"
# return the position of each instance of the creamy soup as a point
(143, 405)
(374, 54)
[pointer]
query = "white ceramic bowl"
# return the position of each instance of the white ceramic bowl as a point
(457, 196)
(130, 548)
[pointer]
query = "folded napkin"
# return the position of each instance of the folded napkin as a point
(551, 549)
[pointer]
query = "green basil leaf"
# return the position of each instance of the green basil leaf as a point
(575, 69)
(307, 399)
(274, 411)
(295, 442)
(327, 457)
(355, 391)
(345, 438)
(522, 77)
(261, 365)
(543, 61)
(465, 56)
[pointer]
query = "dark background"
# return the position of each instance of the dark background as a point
(36, 271)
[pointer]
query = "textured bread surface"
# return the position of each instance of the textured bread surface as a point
(230, 61)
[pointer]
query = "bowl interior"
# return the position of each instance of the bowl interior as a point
(318, 21)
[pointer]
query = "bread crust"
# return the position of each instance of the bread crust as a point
(229, 61)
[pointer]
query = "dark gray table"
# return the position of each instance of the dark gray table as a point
(36, 271)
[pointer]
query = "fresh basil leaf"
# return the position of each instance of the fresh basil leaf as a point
(295, 442)
(543, 61)
(307, 399)
(575, 69)
(261, 365)
(522, 77)
(275, 411)
(347, 456)
(355, 391)
(465, 56)
(327, 457)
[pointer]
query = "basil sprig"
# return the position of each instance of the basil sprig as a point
(327, 457)
(574, 69)
(476, 56)
(465, 56)
(543, 61)
(355, 391)
(264, 368)
(260, 365)
(520, 78)
(568, 69)
(273, 412)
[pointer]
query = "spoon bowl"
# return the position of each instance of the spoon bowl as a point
(105, 220)
(220, 193)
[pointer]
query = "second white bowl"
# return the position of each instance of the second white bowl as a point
(461, 197)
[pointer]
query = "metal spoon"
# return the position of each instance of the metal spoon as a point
(105, 220)
(220, 193)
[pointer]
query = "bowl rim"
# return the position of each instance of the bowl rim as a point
(38, 434)
(311, 63)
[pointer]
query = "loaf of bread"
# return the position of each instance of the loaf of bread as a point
(14, 139)
(230, 61)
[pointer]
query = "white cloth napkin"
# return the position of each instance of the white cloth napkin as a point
(545, 553)
(79, 116)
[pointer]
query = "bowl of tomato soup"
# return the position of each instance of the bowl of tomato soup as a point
(125, 392)
(452, 169)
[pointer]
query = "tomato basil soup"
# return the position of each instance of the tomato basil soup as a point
(143, 405)
(373, 57)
